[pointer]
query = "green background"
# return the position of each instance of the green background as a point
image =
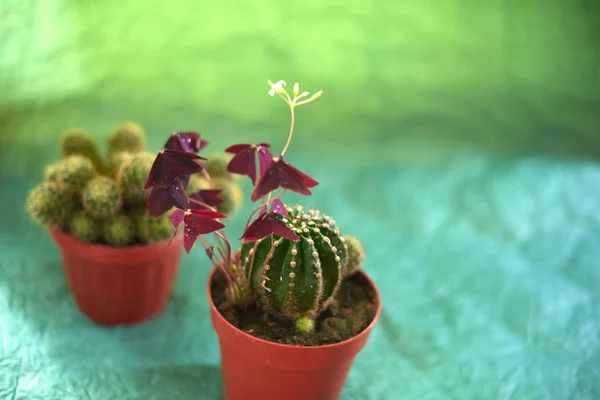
(459, 139)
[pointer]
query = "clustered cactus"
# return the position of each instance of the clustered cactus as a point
(292, 261)
(102, 200)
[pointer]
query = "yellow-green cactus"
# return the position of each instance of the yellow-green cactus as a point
(48, 204)
(132, 175)
(216, 166)
(152, 229)
(78, 142)
(101, 197)
(119, 230)
(197, 182)
(85, 227)
(74, 172)
(356, 254)
(128, 137)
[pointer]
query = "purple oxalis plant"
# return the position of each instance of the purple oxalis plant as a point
(270, 175)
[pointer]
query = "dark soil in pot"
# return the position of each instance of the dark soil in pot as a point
(352, 311)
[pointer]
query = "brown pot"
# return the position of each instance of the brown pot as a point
(256, 369)
(119, 285)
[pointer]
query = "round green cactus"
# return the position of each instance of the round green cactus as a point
(77, 142)
(197, 182)
(132, 175)
(356, 254)
(296, 279)
(48, 204)
(128, 137)
(305, 324)
(85, 227)
(50, 171)
(216, 166)
(231, 195)
(74, 172)
(101, 197)
(119, 230)
(152, 229)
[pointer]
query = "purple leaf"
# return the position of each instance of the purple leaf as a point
(190, 142)
(159, 202)
(170, 165)
(244, 161)
(278, 207)
(208, 196)
(199, 222)
(266, 225)
(282, 174)
(176, 218)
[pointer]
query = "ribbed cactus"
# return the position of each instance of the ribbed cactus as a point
(128, 137)
(238, 292)
(216, 166)
(297, 279)
(85, 227)
(355, 256)
(49, 204)
(132, 175)
(74, 172)
(231, 195)
(151, 229)
(101, 197)
(77, 142)
(119, 230)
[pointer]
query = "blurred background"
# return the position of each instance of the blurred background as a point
(459, 139)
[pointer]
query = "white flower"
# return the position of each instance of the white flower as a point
(296, 89)
(276, 87)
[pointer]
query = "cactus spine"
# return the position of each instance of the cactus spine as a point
(297, 279)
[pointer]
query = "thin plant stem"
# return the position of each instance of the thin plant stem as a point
(291, 130)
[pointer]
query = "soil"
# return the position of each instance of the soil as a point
(352, 311)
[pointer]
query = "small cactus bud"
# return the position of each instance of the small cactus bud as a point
(119, 230)
(356, 254)
(77, 142)
(128, 137)
(197, 182)
(238, 290)
(132, 176)
(48, 204)
(101, 198)
(231, 195)
(74, 172)
(216, 166)
(85, 227)
(152, 229)
(305, 324)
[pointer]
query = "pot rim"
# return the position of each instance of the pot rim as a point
(247, 336)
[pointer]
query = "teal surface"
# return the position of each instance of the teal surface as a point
(458, 139)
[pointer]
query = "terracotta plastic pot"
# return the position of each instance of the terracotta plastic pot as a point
(256, 369)
(119, 285)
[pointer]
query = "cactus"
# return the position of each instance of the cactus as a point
(74, 172)
(101, 197)
(231, 195)
(296, 279)
(355, 255)
(150, 229)
(238, 292)
(77, 142)
(119, 230)
(132, 175)
(128, 137)
(85, 227)
(50, 171)
(216, 166)
(305, 324)
(48, 204)
(197, 182)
